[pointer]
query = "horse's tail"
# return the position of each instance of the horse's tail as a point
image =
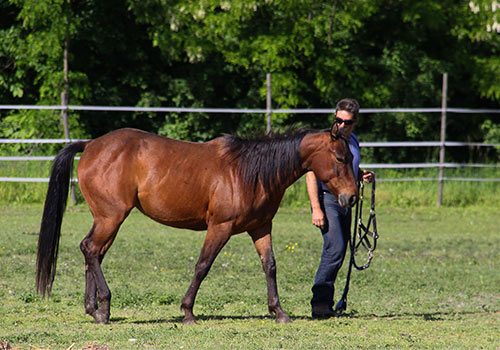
(55, 204)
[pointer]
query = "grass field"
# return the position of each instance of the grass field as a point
(434, 283)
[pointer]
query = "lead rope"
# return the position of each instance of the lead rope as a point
(366, 238)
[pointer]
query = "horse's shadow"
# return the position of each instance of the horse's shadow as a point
(178, 319)
(426, 316)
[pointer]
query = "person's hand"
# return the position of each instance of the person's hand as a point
(368, 176)
(318, 218)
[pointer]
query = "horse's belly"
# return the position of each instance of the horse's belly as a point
(197, 225)
(174, 211)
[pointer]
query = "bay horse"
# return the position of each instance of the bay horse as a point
(226, 186)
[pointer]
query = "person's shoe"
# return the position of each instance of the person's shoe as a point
(321, 312)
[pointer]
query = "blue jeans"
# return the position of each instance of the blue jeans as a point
(336, 233)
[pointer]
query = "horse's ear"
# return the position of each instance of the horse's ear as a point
(334, 132)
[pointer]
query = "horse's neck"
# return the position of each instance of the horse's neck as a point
(297, 174)
(311, 144)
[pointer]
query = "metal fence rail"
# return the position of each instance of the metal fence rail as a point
(442, 144)
(362, 165)
(243, 110)
(362, 144)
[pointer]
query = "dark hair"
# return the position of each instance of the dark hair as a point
(349, 105)
(268, 159)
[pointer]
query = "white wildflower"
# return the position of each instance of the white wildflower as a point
(473, 7)
(225, 5)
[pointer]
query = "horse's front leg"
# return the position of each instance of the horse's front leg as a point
(263, 244)
(217, 236)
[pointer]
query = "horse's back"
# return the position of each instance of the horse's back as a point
(169, 180)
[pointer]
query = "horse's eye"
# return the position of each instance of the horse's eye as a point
(344, 159)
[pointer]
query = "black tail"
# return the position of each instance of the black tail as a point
(55, 204)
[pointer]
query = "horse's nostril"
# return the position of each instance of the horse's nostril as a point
(343, 200)
(347, 201)
(353, 200)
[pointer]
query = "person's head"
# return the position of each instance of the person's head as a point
(346, 115)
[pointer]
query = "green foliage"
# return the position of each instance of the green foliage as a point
(32, 124)
(492, 132)
(34, 45)
(32, 50)
(216, 53)
(486, 78)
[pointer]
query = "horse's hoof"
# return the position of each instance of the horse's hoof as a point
(91, 311)
(283, 319)
(101, 318)
(189, 321)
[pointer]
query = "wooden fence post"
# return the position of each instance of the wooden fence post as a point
(442, 139)
(268, 103)
(64, 105)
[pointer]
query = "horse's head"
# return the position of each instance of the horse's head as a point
(327, 154)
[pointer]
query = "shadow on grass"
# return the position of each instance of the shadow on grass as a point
(426, 316)
(179, 319)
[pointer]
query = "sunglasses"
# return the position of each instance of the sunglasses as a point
(347, 122)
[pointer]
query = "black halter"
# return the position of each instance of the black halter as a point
(365, 236)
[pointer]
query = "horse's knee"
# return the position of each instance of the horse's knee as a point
(86, 243)
(89, 250)
(99, 239)
(85, 247)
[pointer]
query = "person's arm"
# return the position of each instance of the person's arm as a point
(318, 217)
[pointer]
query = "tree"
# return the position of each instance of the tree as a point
(32, 49)
(301, 43)
(482, 28)
(216, 53)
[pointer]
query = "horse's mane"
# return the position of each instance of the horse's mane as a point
(267, 159)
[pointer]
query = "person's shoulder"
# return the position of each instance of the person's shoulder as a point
(353, 139)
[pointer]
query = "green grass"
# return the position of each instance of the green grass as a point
(433, 284)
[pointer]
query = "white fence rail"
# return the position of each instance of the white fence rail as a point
(243, 110)
(362, 165)
(362, 144)
(397, 144)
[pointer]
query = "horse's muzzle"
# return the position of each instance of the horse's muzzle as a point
(347, 200)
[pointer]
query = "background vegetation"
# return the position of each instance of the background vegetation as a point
(215, 53)
(434, 281)
(433, 284)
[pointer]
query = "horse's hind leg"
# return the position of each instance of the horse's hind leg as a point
(263, 245)
(90, 285)
(94, 246)
(217, 236)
